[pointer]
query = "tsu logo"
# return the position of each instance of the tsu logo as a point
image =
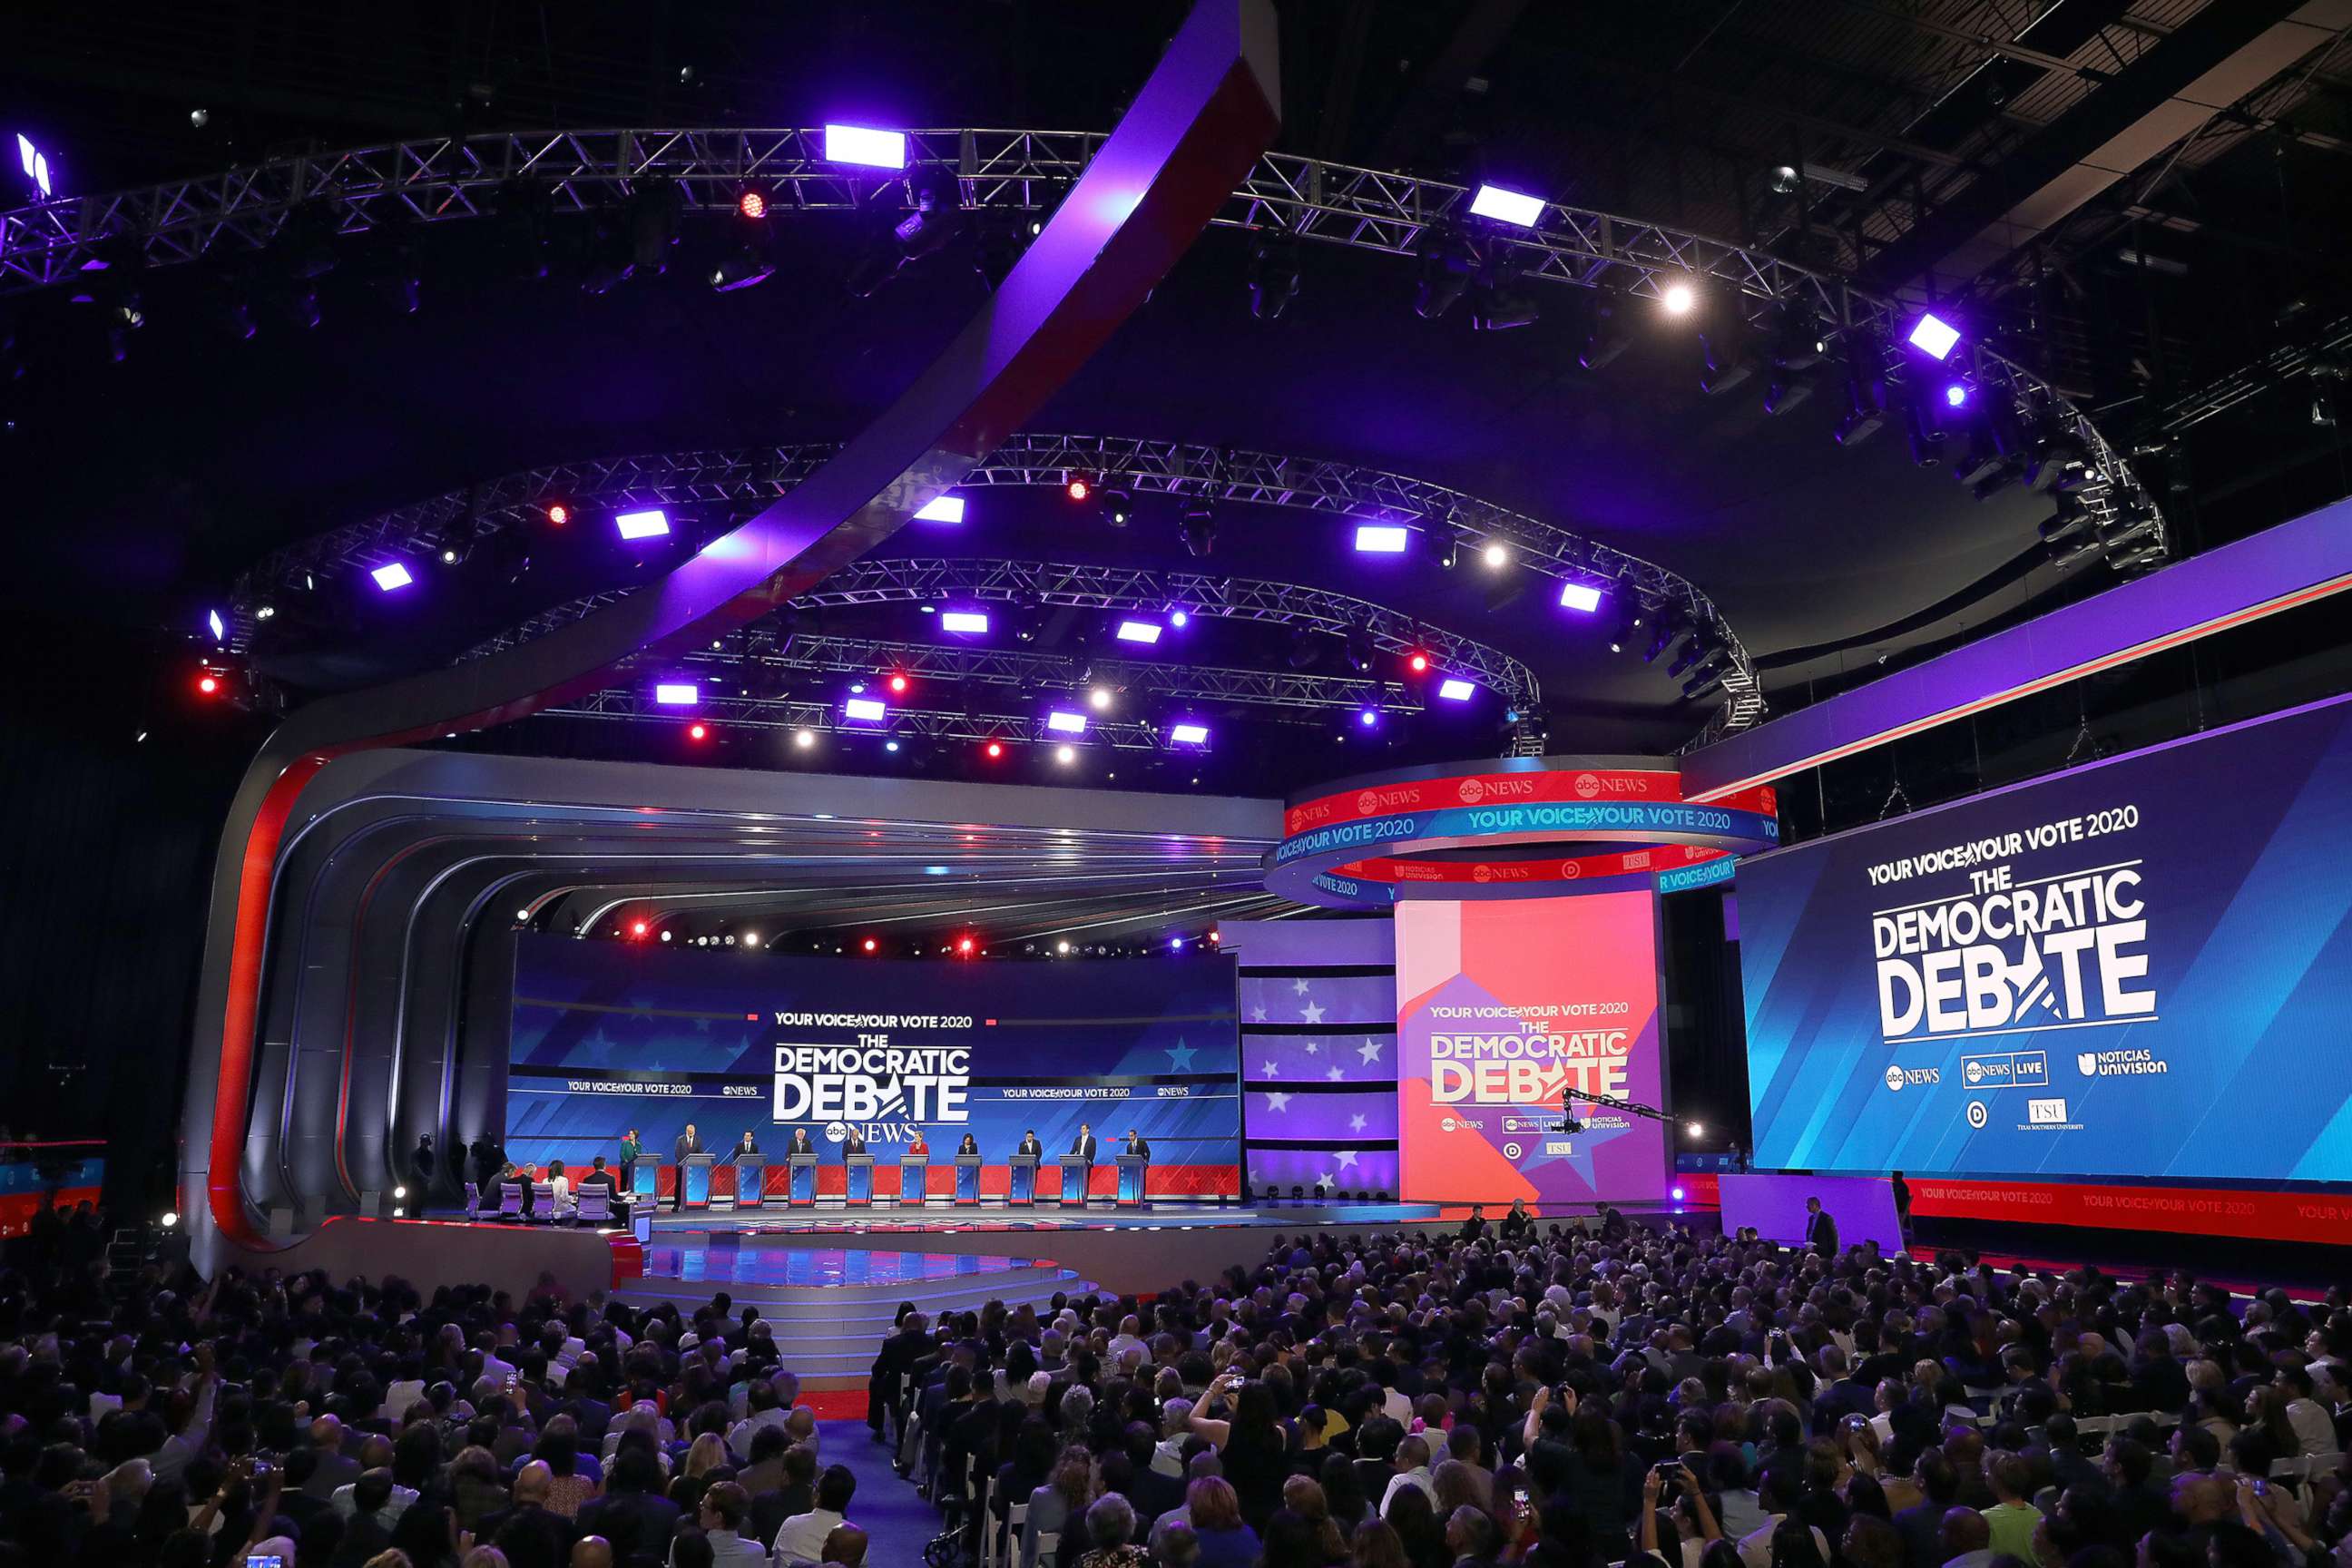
(1586, 786)
(1473, 790)
(1978, 1114)
(2045, 1112)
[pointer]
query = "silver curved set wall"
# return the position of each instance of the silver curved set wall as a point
(389, 964)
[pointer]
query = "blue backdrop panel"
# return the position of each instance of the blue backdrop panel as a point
(610, 1036)
(2140, 968)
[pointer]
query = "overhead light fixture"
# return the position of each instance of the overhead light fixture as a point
(1678, 297)
(1933, 336)
(942, 509)
(1382, 538)
(1188, 735)
(212, 619)
(1955, 394)
(557, 514)
(678, 693)
(865, 710)
(968, 623)
(1078, 487)
(652, 523)
(1368, 718)
(1062, 721)
(1144, 632)
(1454, 689)
(1179, 619)
(1507, 207)
(697, 732)
(1065, 754)
(1098, 698)
(1495, 556)
(803, 739)
(863, 145)
(1199, 529)
(391, 576)
(1579, 596)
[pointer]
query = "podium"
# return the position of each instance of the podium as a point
(1131, 1180)
(1024, 1189)
(914, 1175)
(804, 1188)
(751, 1181)
(694, 1181)
(860, 1169)
(645, 1182)
(967, 1187)
(1075, 1168)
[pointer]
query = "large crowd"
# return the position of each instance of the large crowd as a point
(1526, 1395)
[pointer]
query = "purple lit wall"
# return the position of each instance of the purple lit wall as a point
(1318, 1002)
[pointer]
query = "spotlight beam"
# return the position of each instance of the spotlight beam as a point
(1195, 129)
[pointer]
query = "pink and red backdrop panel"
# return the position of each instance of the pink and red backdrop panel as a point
(1500, 1007)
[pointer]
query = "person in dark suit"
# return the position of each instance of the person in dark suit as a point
(1029, 1145)
(1821, 1229)
(1902, 1190)
(1083, 1145)
(420, 1165)
(749, 1145)
(897, 1358)
(688, 1143)
(1136, 1147)
(854, 1142)
(971, 1145)
(800, 1144)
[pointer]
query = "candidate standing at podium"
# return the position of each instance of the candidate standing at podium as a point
(1029, 1145)
(853, 1143)
(800, 1144)
(688, 1143)
(1084, 1144)
(971, 1145)
(1136, 1148)
(749, 1146)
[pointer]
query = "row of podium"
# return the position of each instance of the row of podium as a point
(696, 1186)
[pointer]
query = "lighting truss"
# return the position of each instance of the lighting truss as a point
(439, 179)
(818, 654)
(904, 724)
(1116, 588)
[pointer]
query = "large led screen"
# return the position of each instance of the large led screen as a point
(1503, 1007)
(607, 1037)
(2140, 968)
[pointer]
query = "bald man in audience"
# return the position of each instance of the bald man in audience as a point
(846, 1543)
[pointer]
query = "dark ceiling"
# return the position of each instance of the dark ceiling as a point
(156, 481)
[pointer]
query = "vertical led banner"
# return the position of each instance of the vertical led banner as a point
(1502, 1005)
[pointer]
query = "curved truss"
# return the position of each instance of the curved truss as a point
(441, 178)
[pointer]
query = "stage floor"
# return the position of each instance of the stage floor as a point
(897, 1222)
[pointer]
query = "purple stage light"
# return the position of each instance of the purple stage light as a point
(942, 509)
(866, 709)
(971, 622)
(1062, 721)
(1175, 944)
(858, 144)
(1956, 395)
(1678, 1195)
(1368, 717)
(1381, 538)
(652, 523)
(36, 163)
(677, 693)
(1179, 619)
(1507, 207)
(1189, 735)
(1139, 631)
(1583, 596)
(220, 629)
(1454, 689)
(391, 576)
(1933, 336)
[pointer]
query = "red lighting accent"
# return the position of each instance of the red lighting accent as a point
(638, 929)
(870, 944)
(697, 731)
(963, 944)
(1079, 489)
(559, 515)
(996, 748)
(1214, 938)
(752, 204)
(208, 684)
(898, 683)
(1418, 662)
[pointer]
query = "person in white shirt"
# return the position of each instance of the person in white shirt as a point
(493, 1368)
(1412, 1471)
(1756, 1546)
(2314, 1428)
(766, 1411)
(725, 1507)
(801, 1539)
(374, 1490)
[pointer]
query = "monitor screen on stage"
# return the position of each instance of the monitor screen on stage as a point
(1500, 1007)
(611, 1035)
(2140, 968)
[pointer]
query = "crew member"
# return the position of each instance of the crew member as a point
(1821, 1229)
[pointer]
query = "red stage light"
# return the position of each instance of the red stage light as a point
(1418, 662)
(559, 515)
(870, 944)
(208, 684)
(752, 204)
(898, 683)
(638, 929)
(1079, 489)
(996, 748)
(697, 731)
(963, 944)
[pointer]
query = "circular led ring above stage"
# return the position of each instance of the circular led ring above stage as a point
(1524, 827)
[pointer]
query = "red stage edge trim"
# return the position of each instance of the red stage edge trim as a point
(239, 1019)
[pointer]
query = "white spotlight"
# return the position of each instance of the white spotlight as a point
(1679, 298)
(1497, 555)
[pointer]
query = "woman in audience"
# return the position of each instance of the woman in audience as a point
(1109, 1524)
(1415, 1519)
(1224, 1540)
(1055, 1507)
(1249, 1442)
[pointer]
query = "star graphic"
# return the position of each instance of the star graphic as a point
(1298, 988)
(1314, 1014)
(1346, 1157)
(1371, 1051)
(1271, 1070)
(1179, 1058)
(1335, 1075)
(1277, 1101)
(1257, 1014)
(1314, 1048)
(1323, 1179)
(1356, 1122)
(1255, 1174)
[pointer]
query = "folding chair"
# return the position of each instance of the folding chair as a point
(1049, 1541)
